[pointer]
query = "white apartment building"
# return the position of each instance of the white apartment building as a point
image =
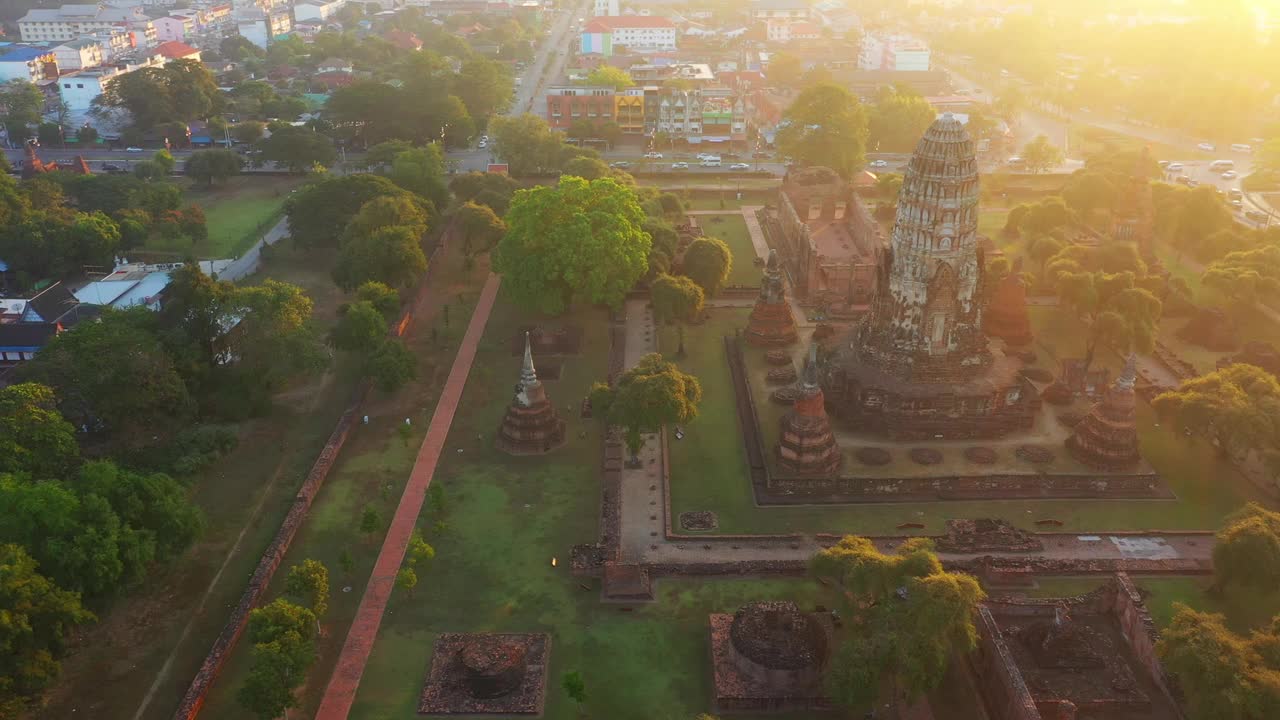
(80, 54)
(316, 10)
(603, 34)
(71, 21)
(606, 8)
(262, 28)
(899, 53)
(78, 89)
(114, 42)
(785, 31)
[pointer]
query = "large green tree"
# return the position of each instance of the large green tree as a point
(319, 213)
(578, 241)
(527, 144)
(34, 437)
(826, 125)
(392, 256)
(211, 165)
(676, 298)
(481, 228)
(180, 91)
(360, 328)
(1041, 155)
(898, 119)
(653, 393)
(297, 148)
(1238, 406)
(1246, 276)
(1224, 676)
(708, 262)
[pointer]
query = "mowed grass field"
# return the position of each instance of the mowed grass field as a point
(237, 213)
(732, 229)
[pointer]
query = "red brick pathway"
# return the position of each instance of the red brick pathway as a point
(341, 692)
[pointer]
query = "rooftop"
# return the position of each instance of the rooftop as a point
(624, 22)
(23, 54)
(175, 50)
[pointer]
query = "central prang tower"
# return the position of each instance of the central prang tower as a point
(926, 317)
(919, 364)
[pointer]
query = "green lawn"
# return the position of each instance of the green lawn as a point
(238, 212)
(728, 200)
(1087, 140)
(370, 473)
(709, 473)
(732, 229)
(507, 519)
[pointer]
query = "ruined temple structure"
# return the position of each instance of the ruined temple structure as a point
(1107, 438)
(769, 656)
(1255, 352)
(531, 425)
(919, 365)
(486, 673)
(1006, 314)
(771, 323)
(1133, 219)
(34, 166)
(827, 238)
(806, 445)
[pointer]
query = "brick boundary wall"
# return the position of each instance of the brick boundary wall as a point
(194, 699)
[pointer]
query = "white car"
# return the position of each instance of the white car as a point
(879, 163)
(653, 156)
(484, 138)
(1229, 175)
(133, 149)
(1173, 167)
(704, 156)
(739, 166)
(483, 144)
(1207, 147)
(1237, 204)
(680, 166)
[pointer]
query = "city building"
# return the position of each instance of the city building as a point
(71, 21)
(696, 74)
(114, 42)
(175, 28)
(78, 89)
(313, 10)
(900, 54)
(628, 110)
(174, 50)
(262, 27)
(762, 10)
(78, 54)
(603, 34)
(568, 104)
(606, 8)
(781, 30)
(28, 324)
(32, 64)
(713, 115)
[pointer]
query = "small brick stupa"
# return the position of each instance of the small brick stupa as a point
(1006, 315)
(806, 445)
(1107, 438)
(771, 323)
(531, 426)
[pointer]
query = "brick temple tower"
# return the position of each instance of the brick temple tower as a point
(771, 323)
(1107, 438)
(806, 445)
(531, 425)
(1006, 314)
(919, 365)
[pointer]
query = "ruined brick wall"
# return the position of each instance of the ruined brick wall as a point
(1003, 689)
(260, 581)
(1123, 601)
(784, 489)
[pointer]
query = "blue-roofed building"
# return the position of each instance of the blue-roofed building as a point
(32, 64)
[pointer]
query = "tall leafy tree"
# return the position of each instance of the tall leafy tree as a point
(1238, 405)
(320, 212)
(34, 437)
(676, 298)
(392, 256)
(826, 125)
(484, 86)
(578, 241)
(180, 91)
(421, 172)
(898, 119)
(1223, 675)
(481, 228)
(527, 144)
(211, 165)
(360, 329)
(609, 76)
(297, 148)
(708, 262)
(1041, 155)
(653, 393)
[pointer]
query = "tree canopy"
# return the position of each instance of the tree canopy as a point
(898, 119)
(708, 262)
(390, 255)
(826, 125)
(582, 240)
(1222, 674)
(180, 91)
(676, 297)
(211, 165)
(653, 393)
(1239, 405)
(1041, 155)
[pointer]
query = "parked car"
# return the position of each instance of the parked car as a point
(1173, 167)
(1235, 194)
(704, 156)
(879, 163)
(133, 149)
(1237, 204)
(483, 144)
(680, 166)
(1229, 175)
(1256, 215)
(620, 164)
(1241, 147)
(1163, 164)
(111, 168)
(710, 161)
(653, 156)
(739, 166)
(1207, 147)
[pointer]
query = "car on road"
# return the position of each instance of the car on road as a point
(484, 138)
(1229, 175)
(111, 168)
(1207, 147)
(1241, 147)
(1256, 215)
(879, 163)
(1235, 194)
(620, 164)
(710, 161)
(1163, 164)
(1016, 162)
(1173, 167)
(1237, 204)
(653, 156)
(482, 144)
(680, 166)
(1183, 180)
(704, 156)
(133, 149)
(739, 166)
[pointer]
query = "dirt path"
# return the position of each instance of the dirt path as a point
(341, 691)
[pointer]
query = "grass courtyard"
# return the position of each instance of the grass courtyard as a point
(237, 213)
(709, 465)
(732, 229)
(507, 518)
